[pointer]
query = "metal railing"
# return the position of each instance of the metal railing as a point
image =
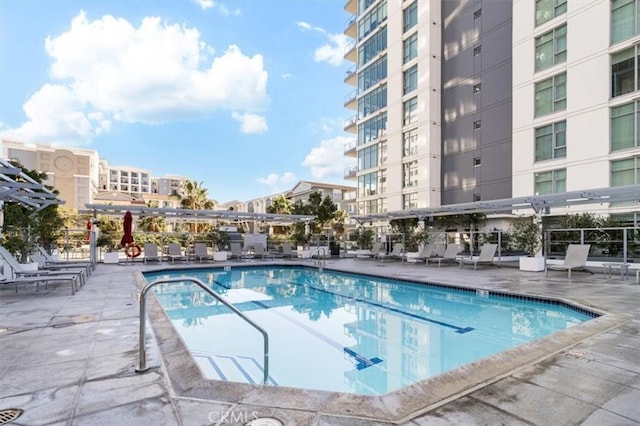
(142, 366)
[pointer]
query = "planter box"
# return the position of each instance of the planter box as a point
(111, 257)
(532, 264)
(219, 256)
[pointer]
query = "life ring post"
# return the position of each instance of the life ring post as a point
(132, 250)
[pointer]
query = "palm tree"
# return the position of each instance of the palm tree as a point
(280, 205)
(194, 198)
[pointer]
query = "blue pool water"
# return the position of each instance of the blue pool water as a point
(346, 332)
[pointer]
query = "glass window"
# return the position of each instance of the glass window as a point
(624, 72)
(624, 19)
(477, 14)
(551, 141)
(368, 158)
(410, 142)
(625, 172)
(551, 95)
(372, 101)
(551, 182)
(383, 152)
(410, 16)
(477, 88)
(367, 184)
(549, 9)
(372, 47)
(410, 48)
(477, 124)
(410, 174)
(624, 126)
(410, 79)
(410, 201)
(372, 129)
(477, 50)
(410, 108)
(477, 162)
(372, 20)
(382, 181)
(477, 197)
(551, 48)
(372, 74)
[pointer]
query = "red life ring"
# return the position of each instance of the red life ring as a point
(133, 250)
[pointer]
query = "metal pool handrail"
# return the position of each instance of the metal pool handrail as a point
(143, 355)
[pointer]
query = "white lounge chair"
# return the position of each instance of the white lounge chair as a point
(375, 250)
(151, 253)
(259, 250)
(82, 269)
(574, 259)
(46, 279)
(487, 252)
(288, 251)
(396, 253)
(52, 261)
(236, 252)
(201, 253)
(175, 253)
(449, 256)
(421, 256)
(18, 271)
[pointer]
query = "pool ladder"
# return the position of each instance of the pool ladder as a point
(142, 366)
(320, 261)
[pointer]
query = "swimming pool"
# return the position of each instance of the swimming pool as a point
(346, 332)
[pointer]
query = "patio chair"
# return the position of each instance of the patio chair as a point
(376, 249)
(288, 252)
(151, 253)
(259, 250)
(200, 252)
(449, 256)
(421, 256)
(84, 270)
(487, 252)
(52, 261)
(574, 259)
(175, 253)
(18, 271)
(396, 253)
(46, 279)
(236, 251)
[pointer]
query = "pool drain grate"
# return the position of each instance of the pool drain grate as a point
(9, 415)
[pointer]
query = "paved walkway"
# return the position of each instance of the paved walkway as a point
(70, 360)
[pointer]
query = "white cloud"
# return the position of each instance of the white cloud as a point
(274, 179)
(328, 159)
(107, 70)
(286, 76)
(251, 123)
(332, 52)
(204, 4)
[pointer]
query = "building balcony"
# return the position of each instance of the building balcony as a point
(350, 149)
(352, 76)
(351, 6)
(350, 124)
(350, 28)
(350, 100)
(350, 52)
(350, 173)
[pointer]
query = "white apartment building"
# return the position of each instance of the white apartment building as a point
(432, 101)
(575, 96)
(477, 100)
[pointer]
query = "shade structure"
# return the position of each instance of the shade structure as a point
(127, 238)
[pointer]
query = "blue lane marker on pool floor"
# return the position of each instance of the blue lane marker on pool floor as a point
(362, 362)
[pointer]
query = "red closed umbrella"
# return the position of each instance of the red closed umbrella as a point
(127, 238)
(88, 230)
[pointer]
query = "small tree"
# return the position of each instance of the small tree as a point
(526, 235)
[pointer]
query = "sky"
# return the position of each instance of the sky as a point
(245, 96)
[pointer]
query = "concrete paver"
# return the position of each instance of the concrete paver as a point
(70, 360)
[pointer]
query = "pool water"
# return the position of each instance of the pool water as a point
(345, 332)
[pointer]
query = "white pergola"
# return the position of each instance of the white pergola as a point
(18, 187)
(537, 203)
(193, 215)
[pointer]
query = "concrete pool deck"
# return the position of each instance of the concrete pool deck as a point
(70, 360)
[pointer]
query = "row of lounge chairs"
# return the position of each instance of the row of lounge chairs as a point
(201, 254)
(49, 271)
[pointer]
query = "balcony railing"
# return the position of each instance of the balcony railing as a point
(350, 96)
(350, 172)
(350, 121)
(351, 145)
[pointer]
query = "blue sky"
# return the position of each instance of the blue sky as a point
(243, 95)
